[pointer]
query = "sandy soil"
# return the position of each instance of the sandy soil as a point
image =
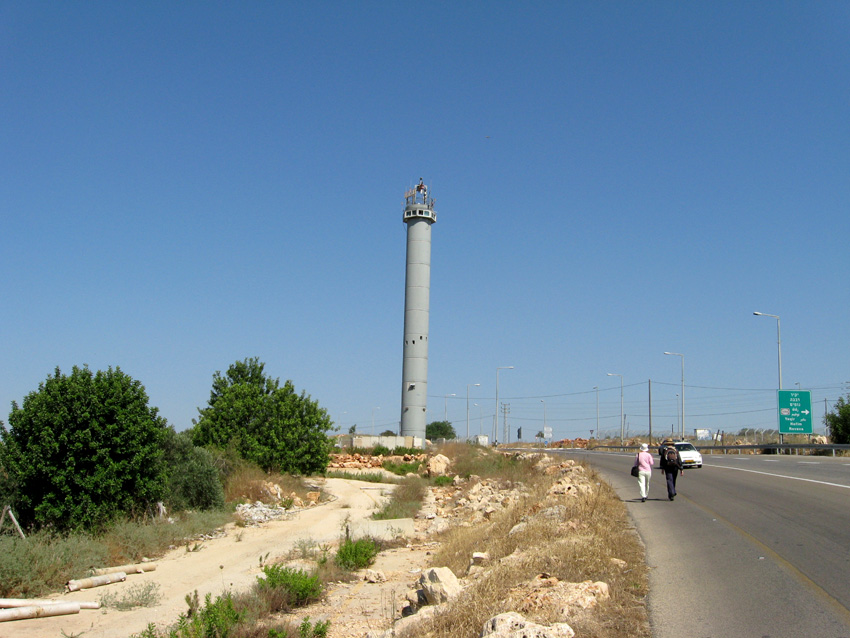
(233, 562)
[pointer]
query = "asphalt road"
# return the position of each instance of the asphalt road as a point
(752, 547)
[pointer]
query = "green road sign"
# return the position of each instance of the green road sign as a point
(795, 411)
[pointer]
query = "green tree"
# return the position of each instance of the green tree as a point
(193, 480)
(8, 485)
(440, 430)
(269, 424)
(838, 421)
(83, 449)
(387, 433)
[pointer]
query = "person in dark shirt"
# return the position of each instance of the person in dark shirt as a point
(671, 465)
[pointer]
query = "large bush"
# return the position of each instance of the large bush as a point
(269, 424)
(194, 482)
(84, 448)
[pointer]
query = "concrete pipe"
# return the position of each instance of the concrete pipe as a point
(96, 581)
(6, 603)
(138, 568)
(39, 611)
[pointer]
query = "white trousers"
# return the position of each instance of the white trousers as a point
(643, 483)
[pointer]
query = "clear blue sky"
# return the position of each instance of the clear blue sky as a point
(183, 185)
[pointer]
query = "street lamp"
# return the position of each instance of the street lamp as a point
(622, 420)
(446, 407)
(678, 354)
(467, 407)
(778, 341)
(678, 418)
(496, 414)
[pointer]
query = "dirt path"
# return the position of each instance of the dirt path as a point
(231, 562)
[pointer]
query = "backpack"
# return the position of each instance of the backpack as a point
(671, 456)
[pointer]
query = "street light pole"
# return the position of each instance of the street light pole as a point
(678, 354)
(496, 413)
(678, 418)
(622, 420)
(778, 341)
(779, 355)
(446, 407)
(467, 407)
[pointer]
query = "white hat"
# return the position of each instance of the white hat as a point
(644, 447)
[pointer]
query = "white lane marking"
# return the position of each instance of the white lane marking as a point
(808, 462)
(793, 478)
(771, 460)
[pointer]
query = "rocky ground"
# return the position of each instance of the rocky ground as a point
(400, 589)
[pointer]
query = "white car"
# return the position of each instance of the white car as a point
(689, 455)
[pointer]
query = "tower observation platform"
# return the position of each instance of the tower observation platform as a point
(419, 215)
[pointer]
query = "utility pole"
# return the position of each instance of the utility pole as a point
(650, 412)
(506, 410)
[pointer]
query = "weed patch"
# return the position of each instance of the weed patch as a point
(370, 477)
(357, 554)
(405, 501)
(140, 595)
(308, 630)
(402, 469)
(288, 587)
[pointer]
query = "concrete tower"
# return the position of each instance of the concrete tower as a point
(418, 215)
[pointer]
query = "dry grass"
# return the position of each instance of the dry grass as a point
(245, 484)
(369, 477)
(474, 460)
(576, 546)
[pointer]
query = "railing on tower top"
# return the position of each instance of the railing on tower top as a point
(419, 195)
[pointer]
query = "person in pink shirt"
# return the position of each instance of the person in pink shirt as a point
(644, 463)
